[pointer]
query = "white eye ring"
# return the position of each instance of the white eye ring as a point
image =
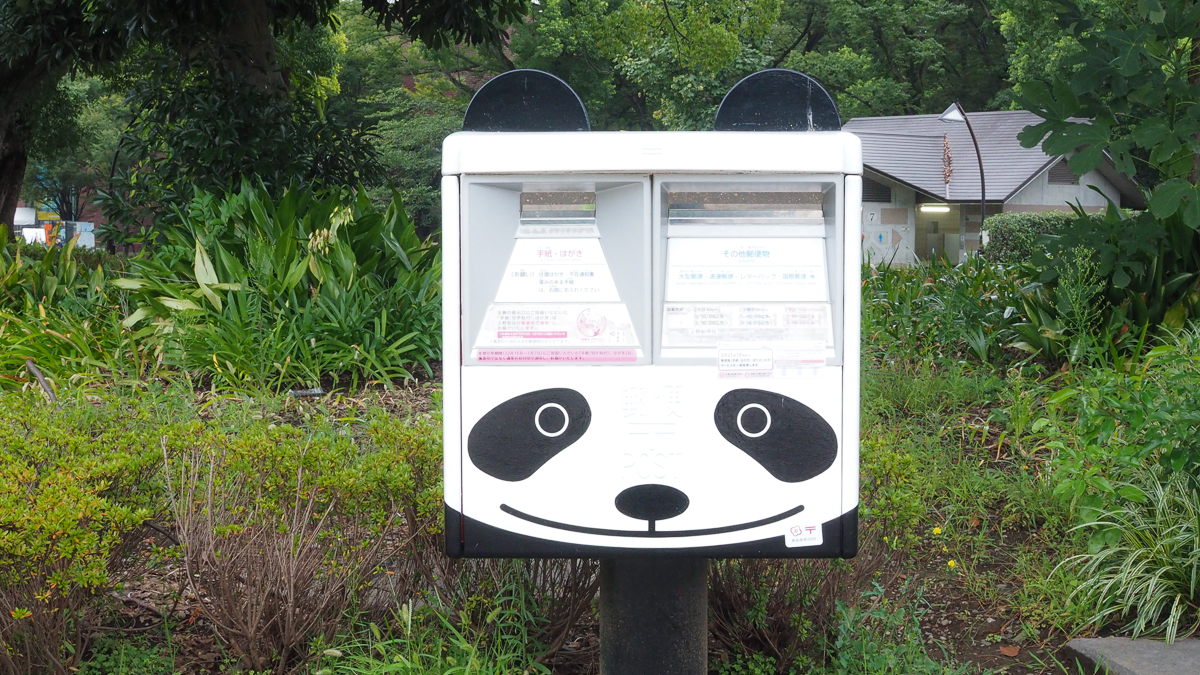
(743, 412)
(537, 422)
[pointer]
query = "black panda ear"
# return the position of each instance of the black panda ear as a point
(525, 100)
(789, 439)
(514, 439)
(777, 99)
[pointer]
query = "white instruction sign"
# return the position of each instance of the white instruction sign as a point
(557, 270)
(803, 325)
(557, 325)
(761, 270)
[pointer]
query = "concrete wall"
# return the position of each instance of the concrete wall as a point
(1040, 195)
(889, 228)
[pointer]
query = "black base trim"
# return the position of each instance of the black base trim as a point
(469, 538)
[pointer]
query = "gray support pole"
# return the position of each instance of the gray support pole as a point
(654, 616)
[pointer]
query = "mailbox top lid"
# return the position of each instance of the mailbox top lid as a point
(474, 152)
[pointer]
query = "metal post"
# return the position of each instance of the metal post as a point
(654, 616)
(978, 156)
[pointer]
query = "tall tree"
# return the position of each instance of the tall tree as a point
(1038, 46)
(903, 57)
(1132, 92)
(649, 65)
(45, 39)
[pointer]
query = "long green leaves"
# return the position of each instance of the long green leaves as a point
(1150, 569)
(254, 293)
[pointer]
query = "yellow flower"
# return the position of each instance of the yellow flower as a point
(952, 564)
(943, 549)
(937, 530)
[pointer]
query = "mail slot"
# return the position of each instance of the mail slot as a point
(651, 343)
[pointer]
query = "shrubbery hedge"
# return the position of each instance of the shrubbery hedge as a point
(279, 527)
(1012, 236)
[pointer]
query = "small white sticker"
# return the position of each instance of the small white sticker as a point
(803, 535)
(742, 360)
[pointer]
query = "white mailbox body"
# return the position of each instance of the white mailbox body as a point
(651, 343)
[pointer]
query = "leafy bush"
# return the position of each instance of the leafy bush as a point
(69, 350)
(73, 491)
(783, 609)
(279, 527)
(931, 311)
(1013, 237)
(1132, 273)
(85, 258)
(748, 664)
(49, 277)
(1108, 424)
(1146, 563)
(196, 124)
(256, 293)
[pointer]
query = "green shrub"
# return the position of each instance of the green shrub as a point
(931, 311)
(69, 350)
(891, 498)
(1129, 273)
(254, 293)
(280, 527)
(1146, 562)
(1013, 237)
(73, 490)
(86, 258)
(49, 277)
(748, 664)
(1106, 425)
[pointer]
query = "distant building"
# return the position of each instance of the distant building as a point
(921, 188)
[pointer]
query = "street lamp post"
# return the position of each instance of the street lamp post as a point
(955, 113)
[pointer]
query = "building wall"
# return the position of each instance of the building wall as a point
(889, 228)
(1040, 195)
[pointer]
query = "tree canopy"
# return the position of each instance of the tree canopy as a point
(236, 40)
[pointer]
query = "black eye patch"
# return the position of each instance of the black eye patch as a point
(789, 439)
(514, 439)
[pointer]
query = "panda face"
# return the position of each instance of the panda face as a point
(789, 441)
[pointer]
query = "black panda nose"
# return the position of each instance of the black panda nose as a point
(652, 502)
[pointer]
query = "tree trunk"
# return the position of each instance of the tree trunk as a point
(13, 160)
(251, 46)
(18, 82)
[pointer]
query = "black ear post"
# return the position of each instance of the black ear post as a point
(526, 100)
(778, 100)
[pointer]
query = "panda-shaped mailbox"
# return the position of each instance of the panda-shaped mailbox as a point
(651, 338)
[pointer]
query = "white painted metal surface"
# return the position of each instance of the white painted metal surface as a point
(652, 416)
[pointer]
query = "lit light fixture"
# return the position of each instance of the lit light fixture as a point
(935, 208)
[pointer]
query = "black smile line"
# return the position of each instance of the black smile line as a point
(652, 533)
